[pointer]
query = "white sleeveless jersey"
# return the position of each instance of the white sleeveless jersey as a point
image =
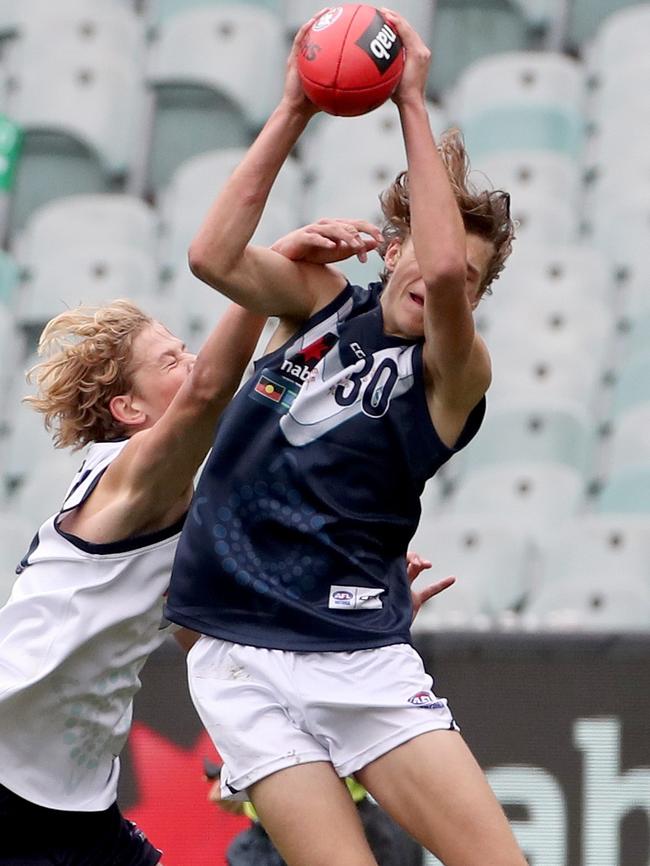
(80, 622)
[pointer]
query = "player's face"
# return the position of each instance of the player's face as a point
(403, 298)
(161, 364)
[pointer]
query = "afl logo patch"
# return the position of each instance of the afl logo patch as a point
(328, 18)
(355, 597)
(425, 699)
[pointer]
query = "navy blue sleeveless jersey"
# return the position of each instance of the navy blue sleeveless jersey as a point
(297, 535)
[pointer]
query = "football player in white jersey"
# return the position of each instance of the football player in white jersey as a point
(86, 609)
(445, 246)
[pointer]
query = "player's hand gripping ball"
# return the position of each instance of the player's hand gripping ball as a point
(351, 60)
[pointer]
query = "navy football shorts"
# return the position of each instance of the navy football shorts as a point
(35, 836)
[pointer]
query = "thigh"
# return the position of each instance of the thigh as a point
(435, 789)
(365, 703)
(311, 818)
(243, 695)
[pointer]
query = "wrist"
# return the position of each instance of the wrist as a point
(414, 101)
(295, 112)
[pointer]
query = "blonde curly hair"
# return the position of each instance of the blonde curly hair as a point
(89, 363)
(485, 213)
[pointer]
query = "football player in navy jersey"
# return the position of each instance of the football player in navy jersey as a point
(291, 562)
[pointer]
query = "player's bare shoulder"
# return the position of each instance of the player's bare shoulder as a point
(123, 505)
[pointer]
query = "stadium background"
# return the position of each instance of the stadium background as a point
(121, 119)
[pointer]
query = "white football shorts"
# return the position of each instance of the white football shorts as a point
(268, 709)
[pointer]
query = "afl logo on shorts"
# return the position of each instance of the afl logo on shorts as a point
(343, 596)
(426, 700)
(328, 18)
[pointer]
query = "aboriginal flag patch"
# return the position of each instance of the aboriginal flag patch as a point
(270, 390)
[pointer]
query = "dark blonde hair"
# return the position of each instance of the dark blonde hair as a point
(485, 213)
(90, 362)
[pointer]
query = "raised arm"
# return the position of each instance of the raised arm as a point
(148, 485)
(454, 356)
(221, 255)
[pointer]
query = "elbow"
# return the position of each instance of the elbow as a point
(199, 262)
(208, 388)
(449, 275)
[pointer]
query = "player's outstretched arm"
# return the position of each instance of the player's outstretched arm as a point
(221, 254)
(158, 464)
(453, 354)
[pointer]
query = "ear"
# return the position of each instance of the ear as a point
(392, 255)
(125, 410)
(478, 297)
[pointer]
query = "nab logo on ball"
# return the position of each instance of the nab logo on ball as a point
(381, 44)
(328, 18)
(351, 60)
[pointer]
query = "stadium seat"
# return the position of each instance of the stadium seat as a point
(208, 93)
(578, 271)
(159, 11)
(622, 224)
(617, 193)
(9, 18)
(465, 31)
(542, 218)
(15, 535)
(27, 440)
(358, 201)
(492, 561)
(199, 307)
(554, 285)
(79, 136)
(541, 14)
(80, 26)
(212, 46)
(626, 491)
(520, 101)
(84, 274)
(525, 372)
(629, 443)
(617, 99)
(11, 350)
(194, 185)
(531, 432)
(551, 319)
(375, 160)
(89, 219)
(595, 577)
(539, 172)
(614, 28)
(43, 489)
(534, 496)
(632, 387)
(617, 90)
(8, 278)
(636, 340)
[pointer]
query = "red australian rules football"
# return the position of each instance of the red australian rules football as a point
(351, 60)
